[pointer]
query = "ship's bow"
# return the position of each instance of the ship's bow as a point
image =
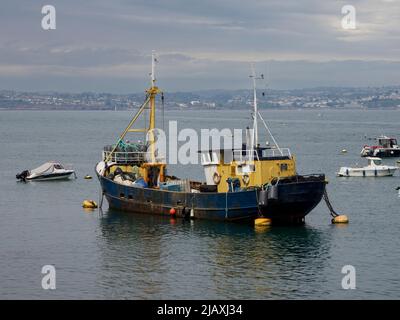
(291, 199)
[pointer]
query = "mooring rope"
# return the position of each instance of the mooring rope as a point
(258, 203)
(226, 205)
(329, 205)
(101, 199)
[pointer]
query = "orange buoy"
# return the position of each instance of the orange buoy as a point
(172, 211)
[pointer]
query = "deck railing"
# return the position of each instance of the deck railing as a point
(274, 152)
(245, 155)
(126, 157)
(252, 155)
(134, 157)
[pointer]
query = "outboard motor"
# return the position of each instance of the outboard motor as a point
(22, 176)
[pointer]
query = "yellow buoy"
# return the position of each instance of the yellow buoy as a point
(262, 229)
(90, 204)
(340, 219)
(262, 222)
(88, 177)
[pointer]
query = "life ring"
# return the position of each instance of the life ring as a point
(246, 179)
(216, 178)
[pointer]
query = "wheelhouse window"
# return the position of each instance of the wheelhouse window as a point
(284, 166)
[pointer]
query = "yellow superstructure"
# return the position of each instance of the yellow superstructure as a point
(263, 171)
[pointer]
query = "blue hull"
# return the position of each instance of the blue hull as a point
(295, 201)
(213, 206)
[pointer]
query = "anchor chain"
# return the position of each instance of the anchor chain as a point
(329, 205)
(101, 199)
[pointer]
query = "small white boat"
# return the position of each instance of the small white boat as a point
(373, 169)
(47, 171)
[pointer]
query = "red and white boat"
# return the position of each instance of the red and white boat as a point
(387, 147)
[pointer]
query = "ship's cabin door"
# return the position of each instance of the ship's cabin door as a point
(154, 174)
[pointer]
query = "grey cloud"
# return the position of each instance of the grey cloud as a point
(201, 44)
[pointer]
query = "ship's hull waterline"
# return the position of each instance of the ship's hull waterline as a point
(295, 200)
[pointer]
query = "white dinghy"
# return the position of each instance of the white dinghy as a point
(373, 169)
(47, 171)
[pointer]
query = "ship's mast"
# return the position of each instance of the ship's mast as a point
(254, 138)
(153, 66)
(255, 113)
(152, 92)
(150, 103)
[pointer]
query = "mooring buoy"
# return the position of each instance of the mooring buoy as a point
(340, 219)
(89, 204)
(262, 222)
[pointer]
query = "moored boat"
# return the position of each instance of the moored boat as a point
(387, 147)
(375, 168)
(46, 172)
(241, 183)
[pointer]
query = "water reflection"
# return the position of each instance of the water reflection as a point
(153, 257)
(131, 255)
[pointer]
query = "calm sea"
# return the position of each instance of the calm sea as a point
(130, 256)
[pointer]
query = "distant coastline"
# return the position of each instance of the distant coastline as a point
(310, 98)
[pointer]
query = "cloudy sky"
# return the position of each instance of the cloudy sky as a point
(105, 46)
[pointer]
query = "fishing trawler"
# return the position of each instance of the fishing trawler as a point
(241, 184)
